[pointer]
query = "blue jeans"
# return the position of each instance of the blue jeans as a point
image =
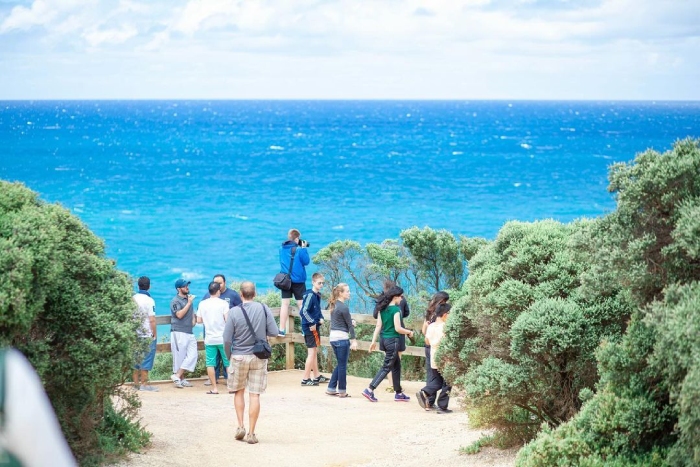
(339, 378)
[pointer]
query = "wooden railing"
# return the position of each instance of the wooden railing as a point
(297, 338)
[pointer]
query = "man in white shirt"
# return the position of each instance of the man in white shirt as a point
(212, 312)
(146, 333)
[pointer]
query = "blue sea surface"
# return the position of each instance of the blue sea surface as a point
(193, 188)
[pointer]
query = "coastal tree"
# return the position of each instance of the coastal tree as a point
(437, 256)
(66, 307)
(521, 340)
(645, 411)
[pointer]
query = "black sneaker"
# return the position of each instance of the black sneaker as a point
(309, 382)
(439, 410)
(422, 400)
(321, 379)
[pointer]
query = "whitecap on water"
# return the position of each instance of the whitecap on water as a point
(516, 185)
(238, 216)
(337, 227)
(187, 275)
(457, 153)
(277, 148)
(525, 146)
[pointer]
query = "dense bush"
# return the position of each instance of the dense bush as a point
(66, 307)
(646, 409)
(521, 341)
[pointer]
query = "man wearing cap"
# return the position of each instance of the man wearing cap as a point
(182, 342)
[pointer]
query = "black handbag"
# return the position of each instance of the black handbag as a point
(283, 280)
(261, 348)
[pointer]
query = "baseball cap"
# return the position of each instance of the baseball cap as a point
(181, 283)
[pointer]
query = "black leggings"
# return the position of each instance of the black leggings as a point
(392, 363)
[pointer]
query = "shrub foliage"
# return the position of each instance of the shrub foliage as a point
(646, 409)
(69, 310)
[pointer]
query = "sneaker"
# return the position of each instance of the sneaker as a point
(251, 438)
(281, 333)
(178, 384)
(240, 433)
(309, 382)
(439, 410)
(321, 379)
(401, 397)
(422, 400)
(145, 387)
(207, 383)
(186, 384)
(174, 378)
(369, 395)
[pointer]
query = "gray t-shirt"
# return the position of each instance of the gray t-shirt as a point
(184, 324)
(238, 333)
(341, 319)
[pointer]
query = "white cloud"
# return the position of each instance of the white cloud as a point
(22, 18)
(98, 37)
(358, 48)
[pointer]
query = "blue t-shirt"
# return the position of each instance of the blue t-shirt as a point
(230, 296)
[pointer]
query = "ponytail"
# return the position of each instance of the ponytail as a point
(335, 293)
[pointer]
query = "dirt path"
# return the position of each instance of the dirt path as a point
(301, 426)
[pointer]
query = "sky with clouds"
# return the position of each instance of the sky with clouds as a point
(350, 49)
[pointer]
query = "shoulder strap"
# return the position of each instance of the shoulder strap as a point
(291, 260)
(247, 320)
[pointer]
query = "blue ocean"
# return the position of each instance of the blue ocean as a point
(193, 188)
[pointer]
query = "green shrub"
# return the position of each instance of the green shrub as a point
(69, 310)
(523, 332)
(646, 409)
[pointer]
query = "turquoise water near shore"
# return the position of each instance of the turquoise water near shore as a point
(192, 188)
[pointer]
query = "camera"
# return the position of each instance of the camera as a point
(304, 243)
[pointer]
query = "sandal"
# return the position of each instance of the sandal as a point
(344, 395)
(211, 392)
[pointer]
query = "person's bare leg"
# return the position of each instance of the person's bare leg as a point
(284, 313)
(253, 410)
(144, 377)
(212, 377)
(310, 359)
(135, 377)
(239, 404)
(314, 364)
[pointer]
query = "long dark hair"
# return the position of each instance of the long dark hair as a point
(385, 298)
(438, 299)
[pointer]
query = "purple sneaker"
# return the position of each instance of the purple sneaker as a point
(401, 397)
(369, 395)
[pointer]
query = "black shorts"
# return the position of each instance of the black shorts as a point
(312, 339)
(298, 289)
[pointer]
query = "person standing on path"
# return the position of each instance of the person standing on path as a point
(433, 336)
(438, 299)
(182, 342)
(232, 299)
(342, 339)
(389, 325)
(311, 321)
(147, 334)
(212, 313)
(246, 369)
(296, 245)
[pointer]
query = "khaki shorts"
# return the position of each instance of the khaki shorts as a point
(247, 371)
